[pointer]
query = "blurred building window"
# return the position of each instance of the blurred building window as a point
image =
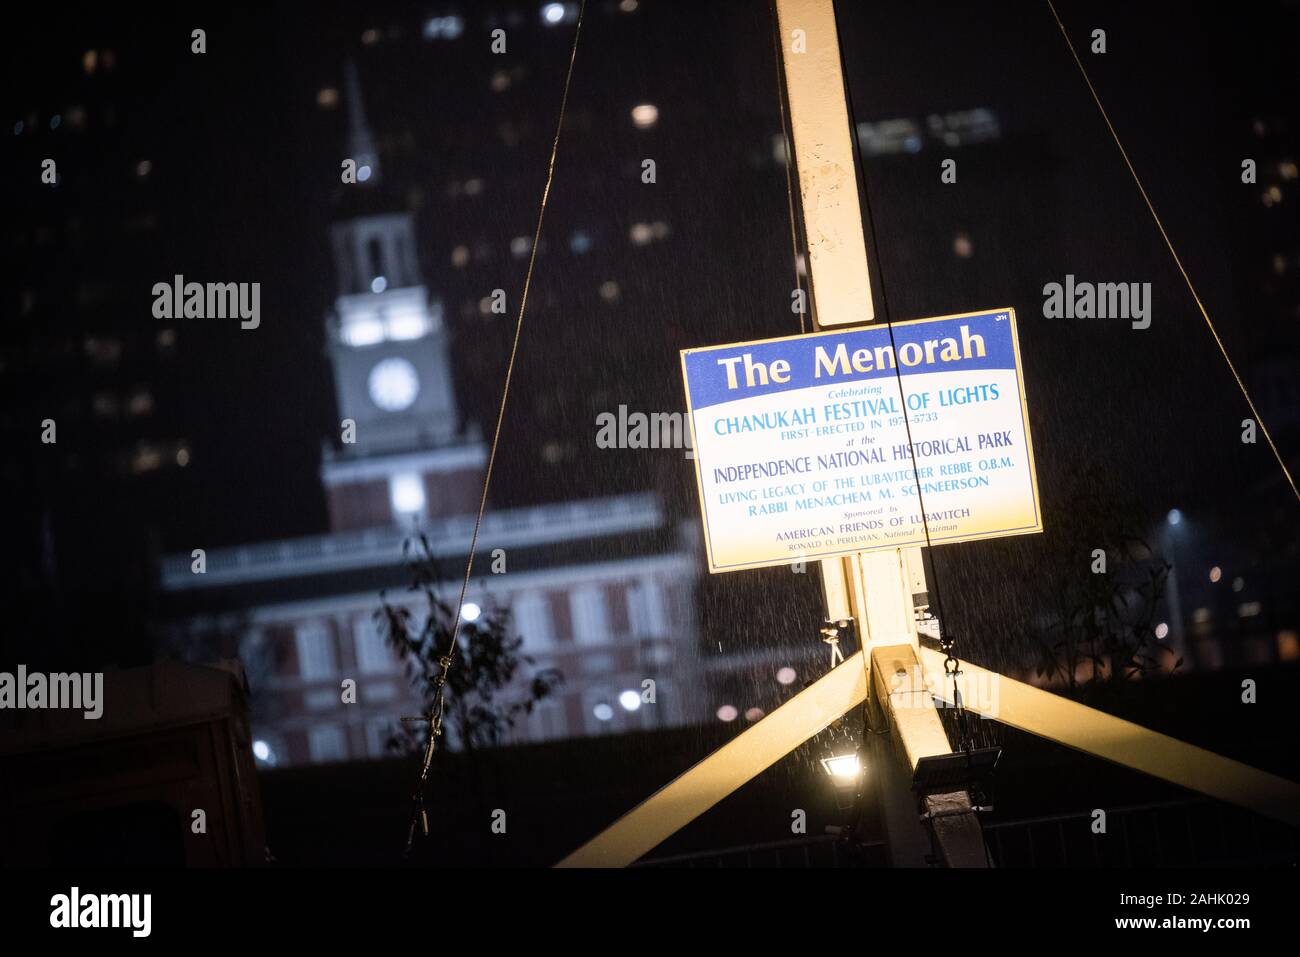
(316, 660)
(374, 657)
(326, 742)
(378, 731)
(590, 615)
(140, 403)
(646, 609)
(443, 28)
(105, 405)
(103, 351)
(532, 620)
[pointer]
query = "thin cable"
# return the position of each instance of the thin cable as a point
(786, 135)
(436, 711)
(1173, 252)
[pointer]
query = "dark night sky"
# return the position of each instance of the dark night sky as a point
(246, 177)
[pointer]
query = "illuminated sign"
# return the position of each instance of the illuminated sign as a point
(837, 442)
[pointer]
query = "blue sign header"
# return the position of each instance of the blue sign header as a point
(743, 370)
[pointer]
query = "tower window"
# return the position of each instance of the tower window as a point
(375, 259)
(406, 492)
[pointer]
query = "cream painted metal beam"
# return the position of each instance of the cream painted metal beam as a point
(823, 157)
(822, 153)
(908, 702)
(756, 748)
(915, 732)
(1121, 742)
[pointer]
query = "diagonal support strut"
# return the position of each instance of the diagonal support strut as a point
(756, 748)
(1019, 705)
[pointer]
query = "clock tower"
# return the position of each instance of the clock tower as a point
(402, 455)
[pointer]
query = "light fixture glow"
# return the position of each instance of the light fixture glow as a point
(727, 712)
(378, 284)
(553, 13)
(630, 700)
(603, 712)
(407, 494)
(1174, 517)
(261, 750)
(786, 675)
(470, 611)
(842, 767)
(1162, 631)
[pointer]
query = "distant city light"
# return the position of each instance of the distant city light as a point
(630, 700)
(470, 611)
(552, 13)
(1162, 631)
(407, 494)
(627, 6)
(262, 751)
(363, 174)
(645, 115)
(786, 675)
(1238, 584)
(962, 246)
(580, 242)
(727, 713)
(603, 712)
(327, 98)
(446, 28)
(754, 714)
(1174, 517)
(609, 291)
(520, 245)
(1216, 573)
(378, 284)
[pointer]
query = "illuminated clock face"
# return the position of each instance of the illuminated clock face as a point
(393, 384)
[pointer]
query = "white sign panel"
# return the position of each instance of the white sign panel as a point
(836, 442)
